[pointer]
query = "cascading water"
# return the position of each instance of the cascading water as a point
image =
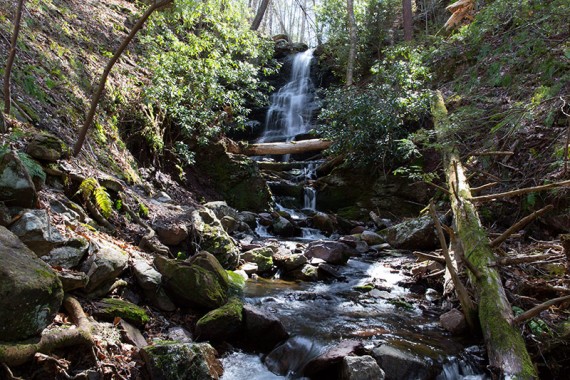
(292, 107)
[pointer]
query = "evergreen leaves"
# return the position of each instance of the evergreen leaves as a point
(90, 189)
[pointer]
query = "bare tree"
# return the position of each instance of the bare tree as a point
(353, 41)
(407, 17)
(260, 13)
(10, 60)
(156, 5)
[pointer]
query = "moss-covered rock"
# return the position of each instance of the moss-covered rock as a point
(199, 281)
(413, 234)
(16, 185)
(236, 282)
(182, 361)
(109, 308)
(212, 237)
(263, 257)
(30, 291)
(47, 147)
(222, 323)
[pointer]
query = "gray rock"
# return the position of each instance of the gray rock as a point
(263, 331)
(331, 251)
(182, 361)
(179, 334)
(69, 210)
(68, 256)
(361, 368)
(263, 257)
(291, 262)
(249, 218)
(47, 147)
(324, 222)
(5, 215)
(16, 185)
(30, 291)
(72, 280)
(213, 238)
(371, 238)
(230, 224)
(132, 335)
(105, 263)
(398, 364)
(331, 360)
(292, 356)
(221, 324)
(199, 281)
(34, 229)
(162, 197)
(413, 234)
(284, 227)
(171, 233)
(453, 321)
(221, 209)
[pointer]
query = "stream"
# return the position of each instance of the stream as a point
(366, 302)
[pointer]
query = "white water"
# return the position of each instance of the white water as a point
(293, 105)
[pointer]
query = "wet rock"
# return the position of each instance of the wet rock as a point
(71, 280)
(453, 321)
(414, 234)
(171, 233)
(17, 188)
(47, 147)
(291, 357)
(182, 361)
(331, 251)
(110, 308)
(230, 224)
(105, 263)
(199, 281)
(326, 271)
(221, 324)
(324, 222)
(131, 334)
(284, 227)
(30, 291)
(249, 268)
(329, 363)
(290, 262)
(263, 331)
(179, 334)
(398, 364)
(214, 239)
(68, 256)
(34, 229)
(263, 257)
(248, 218)
(361, 368)
(371, 238)
(221, 209)
(5, 215)
(305, 273)
(150, 280)
(265, 219)
(426, 267)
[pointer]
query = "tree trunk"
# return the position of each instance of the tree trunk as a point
(293, 147)
(259, 15)
(407, 17)
(97, 96)
(10, 60)
(508, 356)
(353, 41)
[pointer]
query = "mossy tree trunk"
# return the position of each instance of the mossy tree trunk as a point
(506, 349)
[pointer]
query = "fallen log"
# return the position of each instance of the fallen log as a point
(508, 356)
(277, 148)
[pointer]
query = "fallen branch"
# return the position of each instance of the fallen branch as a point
(529, 314)
(492, 153)
(491, 197)
(520, 224)
(17, 353)
(427, 256)
(525, 259)
(484, 187)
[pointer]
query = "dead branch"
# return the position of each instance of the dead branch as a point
(492, 153)
(520, 224)
(18, 353)
(484, 187)
(462, 293)
(484, 198)
(427, 256)
(529, 314)
(437, 186)
(525, 259)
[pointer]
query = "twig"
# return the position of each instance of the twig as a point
(427, 256)
(435, 274)
(492, 153)
(538, 309)
(437, 186)
(9, 372)
(520, 224)
(513, 193)
(525, 259)
(484, 187)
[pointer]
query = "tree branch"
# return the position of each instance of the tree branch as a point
(520, 224)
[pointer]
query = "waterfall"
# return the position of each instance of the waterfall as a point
(293, 105)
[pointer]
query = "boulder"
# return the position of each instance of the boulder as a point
(182, 361)
(371, 238)
(291, 357)
(307, 272)
(71, 280)
(17, 188)
(453, 321)
(110, 308)
(34, 229)
(263, 331)
(105, 263)
(5, 215)
(68, 256)
(323, 222)
(30, 291)
(284, 227)
(171, 233)
(361, 368)
(332, 252)
(398, 364)
(46, 147)
(221, 209)
(221, 324)
(330, 362)
(263, 257)
(213, 238)
(290, 262)
(249, 218)
(413, 234)
(179, 334)
(199, 281)
(150, 280)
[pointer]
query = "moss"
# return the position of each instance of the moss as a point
(363, 288)
(112, 307)
(236, 283)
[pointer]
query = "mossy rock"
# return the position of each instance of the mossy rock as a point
(236, 283)
(109, 308)
(46, 147)
(181, 361)
(263, 257)
(16, 184)
(222, 323)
